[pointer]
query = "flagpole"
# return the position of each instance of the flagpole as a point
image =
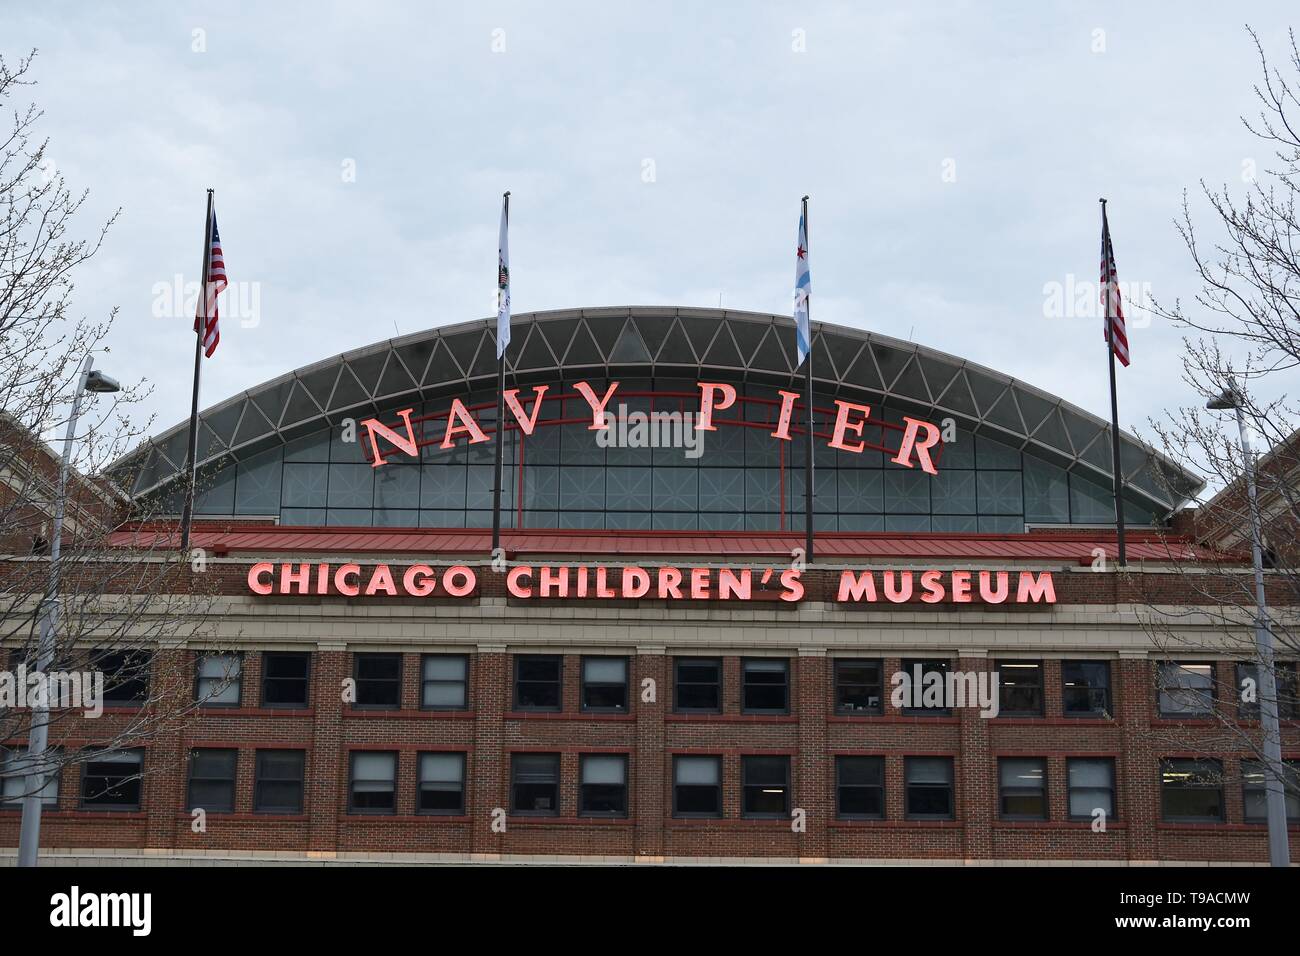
(501, 409)
(808, 462)
(200, 331)
(1107, 255)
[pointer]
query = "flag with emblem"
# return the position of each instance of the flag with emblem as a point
(503, 279)
(802, 290)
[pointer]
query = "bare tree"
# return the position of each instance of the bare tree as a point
(116, 606)
(1242, 334)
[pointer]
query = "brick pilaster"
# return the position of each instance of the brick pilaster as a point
(171, 683)
(488, 774)
(648, 763)
(1138, 778)
(977, 794)
(812, 775)
(326, 763)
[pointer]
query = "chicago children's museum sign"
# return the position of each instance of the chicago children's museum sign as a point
(547, 582)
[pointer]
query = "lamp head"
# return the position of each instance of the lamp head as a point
(97, 381)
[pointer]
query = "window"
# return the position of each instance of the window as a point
(112, 781)
(858, 688)
(444, 682)
(604, 684)
(278, 784)
(126, 676)
(697, 786)
(14, 769)
(1022, 785)
(1085, 688)
(698, 685)
(1092, 787)
(379, 680)
(928, 788)
(766, 783)
(442, 783)
(860, 787)
(538, 682)
(928, 701)
(535, 784)
(766, 685)
(212, 780)
(1255, 792)
(1186, 690)
(219, 680)
(603, 791)
(1191, 791)
(1248, 691)
(285, 679)
(373, 782)
(1020, 686)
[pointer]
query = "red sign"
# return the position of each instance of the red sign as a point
(629, 583)
(918, 439)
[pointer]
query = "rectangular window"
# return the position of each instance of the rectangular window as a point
(372, 784)
(1191, 791)
(535, 784)
(1020, 687)
(604, 684)
(444, 682)
(379, 680)
(928, 782)
(1186, 690)
(1022, 785)
(442, 784)
(697, 786)
(1255, 790)
(14, 769)
(126, 675)
(1085, 688)
(860, 788)
(286, 679)
(766, 685)
(277, 787)
(212, 780)
(1248, 691)
(924, 700)
(112, 781)
(698, 685)
(858, 687)
(219, 680)
(538, 682)
(603, 790)
(766, 783)
(1092, 787)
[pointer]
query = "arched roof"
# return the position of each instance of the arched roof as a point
(714, 344)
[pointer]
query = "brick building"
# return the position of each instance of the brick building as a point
(649, 669)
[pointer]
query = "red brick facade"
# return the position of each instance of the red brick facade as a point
(489, 731)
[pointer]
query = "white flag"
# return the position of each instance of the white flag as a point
(503, 280)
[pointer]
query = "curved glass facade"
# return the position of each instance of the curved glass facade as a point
(737, 478)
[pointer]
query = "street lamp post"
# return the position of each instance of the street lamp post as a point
(1279, 853)
(30, 835)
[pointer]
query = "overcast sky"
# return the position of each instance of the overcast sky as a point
(656, 153)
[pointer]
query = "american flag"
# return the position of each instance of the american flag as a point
(1110, 297)
(215, 284)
